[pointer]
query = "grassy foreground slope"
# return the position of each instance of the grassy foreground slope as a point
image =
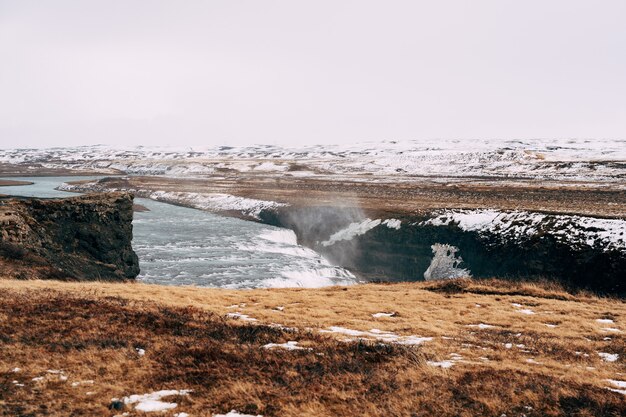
(451, 348)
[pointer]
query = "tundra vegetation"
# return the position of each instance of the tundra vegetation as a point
(450, 348)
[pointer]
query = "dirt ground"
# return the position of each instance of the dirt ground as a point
(379, 199)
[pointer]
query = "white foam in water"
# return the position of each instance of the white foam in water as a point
(183, 246)
(311, 278)
(232, 254)
(285, 236)
(281, 241)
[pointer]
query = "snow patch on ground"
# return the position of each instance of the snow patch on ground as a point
(446, 364)
(393, 223)
(376, 334)
(441, 364)
(240, 316)
(270, 166)
(152, 402)
(290, 345)
(482, 326)
(214, 202)
(611, 330)
(379, 315)
(608, 357)
(578, 231)
(234, 413)
(86, 382)
(351, 231)
(217, 202)
(619, 384)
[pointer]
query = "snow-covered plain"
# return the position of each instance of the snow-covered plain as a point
(594, 160)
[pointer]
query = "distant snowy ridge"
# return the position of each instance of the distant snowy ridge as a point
(547, 159)
(521, 225)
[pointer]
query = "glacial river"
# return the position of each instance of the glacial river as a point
(183, 246)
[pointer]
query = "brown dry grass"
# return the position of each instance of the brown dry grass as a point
(91, 331)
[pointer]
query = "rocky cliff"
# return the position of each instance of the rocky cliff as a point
(578, 252)
(80, 238)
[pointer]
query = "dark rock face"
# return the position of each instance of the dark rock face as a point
(404, 255)
(79, 238)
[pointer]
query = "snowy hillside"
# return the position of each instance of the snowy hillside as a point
(558, 160)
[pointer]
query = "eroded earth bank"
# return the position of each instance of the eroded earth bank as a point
(80, 238)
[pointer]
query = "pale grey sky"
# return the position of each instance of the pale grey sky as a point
(295, 72)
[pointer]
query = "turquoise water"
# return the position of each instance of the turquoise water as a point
(183, 246)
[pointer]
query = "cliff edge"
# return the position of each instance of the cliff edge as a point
(79, 238)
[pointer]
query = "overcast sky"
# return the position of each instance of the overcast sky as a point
(296, 72)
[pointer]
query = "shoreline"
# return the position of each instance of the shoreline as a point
(12, 183)
(13, 170)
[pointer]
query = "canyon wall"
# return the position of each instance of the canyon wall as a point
(79, 238)
(579, 252)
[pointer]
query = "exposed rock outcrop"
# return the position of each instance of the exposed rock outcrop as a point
(576, 252)
(79, 238)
